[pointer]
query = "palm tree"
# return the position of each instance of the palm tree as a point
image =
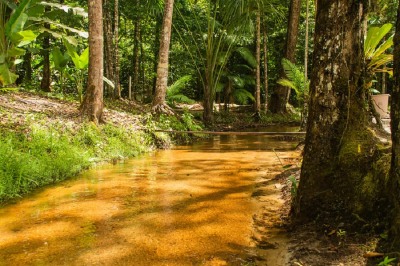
(92, 106)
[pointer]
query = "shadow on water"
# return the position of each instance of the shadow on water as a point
(197, 205)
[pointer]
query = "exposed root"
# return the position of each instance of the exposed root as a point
(162, 109)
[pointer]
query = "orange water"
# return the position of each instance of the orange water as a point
(187, 206)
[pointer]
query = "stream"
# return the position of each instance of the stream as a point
(211, 203)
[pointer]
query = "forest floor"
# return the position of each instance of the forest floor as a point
(313, 244)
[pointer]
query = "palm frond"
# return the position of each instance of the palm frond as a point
(248, 56)
(374, 37)
(243, 96)
(179, 98)
(288, 83)
(176, 87)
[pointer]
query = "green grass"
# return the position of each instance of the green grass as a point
(43, 155)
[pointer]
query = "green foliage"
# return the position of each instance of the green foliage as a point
(295, 79)
(13, 36)
(174, 92)
(243, 96)
(46, 156)
(375, 51)
(81, 63)
(386, 261)
(185, 122)
(294, 185)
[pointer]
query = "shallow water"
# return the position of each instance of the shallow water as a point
(194, 205)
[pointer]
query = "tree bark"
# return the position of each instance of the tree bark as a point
(117, 90)
(281, 94)
(339, 150)
(265, 48)
(258, 59)
(136, 66)
(45, 84)
(394, 180)
(108, 46)
(92, 106)
(158, 104)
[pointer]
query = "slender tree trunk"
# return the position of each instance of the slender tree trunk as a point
(108, 46)
(339, 150)
(394, 180)
(281, 94)
(117, 90)
(136, 66)
(157, 40)
(158, 104)
(258, 59)
(45, 84)
(208, 104)
(384, 85)
(265, 48)
(304, 115)
(92, 106)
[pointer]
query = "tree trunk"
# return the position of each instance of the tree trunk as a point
(108, 47)
(45, 84)
(258, 59)
(281, 94)
(394, 180)
(304, 112)
(157, 40)
(136, 66)
(117, 90)
(265, 47)
(208, 104)
(92, 106)
(158, 104)
(339, 151)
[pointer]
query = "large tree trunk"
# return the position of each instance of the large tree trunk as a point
(281, 94)
(394, 180)
(258, 59)
(92, 106)
(339, 153)
(158, 104)
(265, 48)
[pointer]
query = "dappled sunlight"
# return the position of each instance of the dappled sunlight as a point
(174, 207)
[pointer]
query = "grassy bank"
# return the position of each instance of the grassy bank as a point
(46, 154)
(43, 141)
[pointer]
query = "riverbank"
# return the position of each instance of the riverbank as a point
(44, 141)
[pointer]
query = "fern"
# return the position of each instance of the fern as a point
(295, 79)
(174, 92)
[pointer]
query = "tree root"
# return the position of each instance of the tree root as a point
(162, 109)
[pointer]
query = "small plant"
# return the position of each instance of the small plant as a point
(386, 261)
(293, 188)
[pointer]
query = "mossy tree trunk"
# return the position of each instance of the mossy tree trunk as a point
(92, 105)
(394, 181)
(339, 152)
